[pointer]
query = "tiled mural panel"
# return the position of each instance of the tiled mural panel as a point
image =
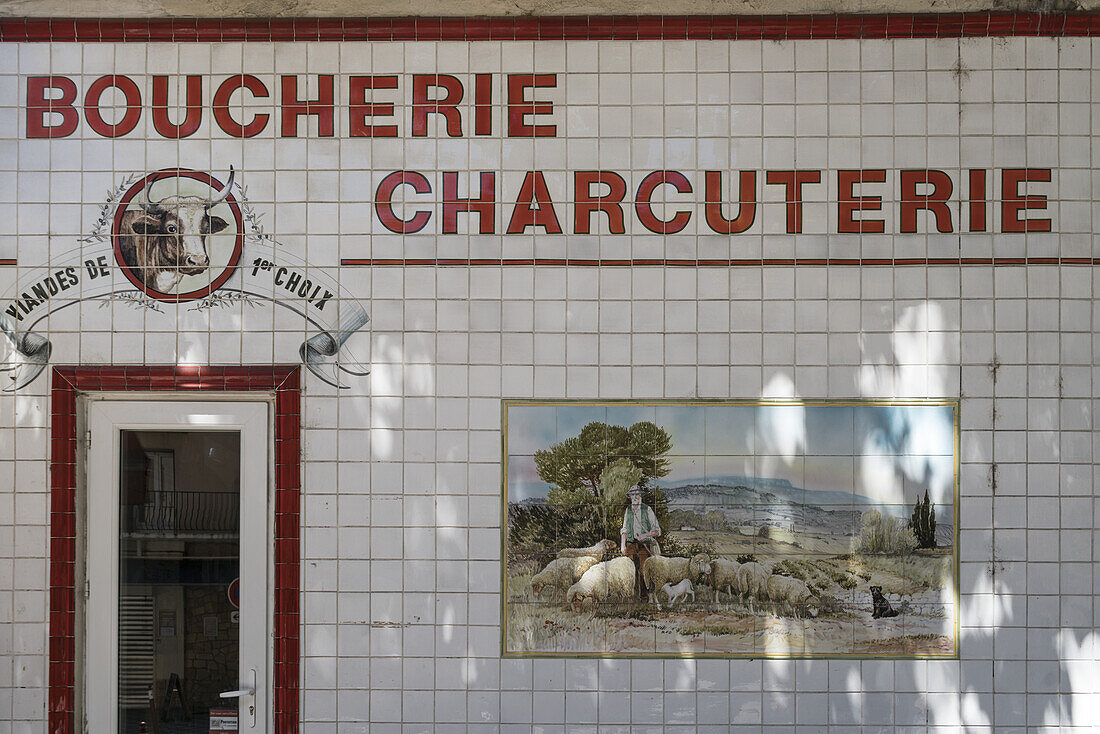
(985, 296)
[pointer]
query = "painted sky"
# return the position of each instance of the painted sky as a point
(886, 453)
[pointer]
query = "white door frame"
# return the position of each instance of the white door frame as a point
(106, 418)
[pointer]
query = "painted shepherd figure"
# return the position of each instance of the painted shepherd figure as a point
(639, 537)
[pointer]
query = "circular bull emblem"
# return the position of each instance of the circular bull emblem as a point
(178, 234)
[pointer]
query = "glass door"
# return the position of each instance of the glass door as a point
(177, 613)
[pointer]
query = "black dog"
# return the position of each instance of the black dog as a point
(882, 604)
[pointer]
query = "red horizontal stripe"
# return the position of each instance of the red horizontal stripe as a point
(713, 263)
(7, 261)
(553, 28)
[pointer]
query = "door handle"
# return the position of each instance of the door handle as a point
(245, 692)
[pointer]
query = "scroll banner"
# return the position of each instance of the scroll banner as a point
(176, 246)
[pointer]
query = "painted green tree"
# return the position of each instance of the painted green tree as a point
(590, 473)
(923, 522)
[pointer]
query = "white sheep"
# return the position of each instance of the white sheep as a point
(752, 580)
(680, 590)
(660, 570)
(599, 551)
(723, 575)
(602, 582)
(793, 593)
(560, 574)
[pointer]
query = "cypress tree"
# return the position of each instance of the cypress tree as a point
(923, 522)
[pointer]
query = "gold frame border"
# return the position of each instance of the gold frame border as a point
(507, 403)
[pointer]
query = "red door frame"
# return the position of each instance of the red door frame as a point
(66, 384)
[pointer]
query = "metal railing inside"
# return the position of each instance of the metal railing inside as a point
(200, 514)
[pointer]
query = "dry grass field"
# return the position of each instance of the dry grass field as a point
(920, 585)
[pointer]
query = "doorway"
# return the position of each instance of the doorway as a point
(178, 609)
(71, 389)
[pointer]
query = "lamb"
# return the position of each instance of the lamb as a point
(560, 574)
(752, 580)
(600, 550)
(680, 590)
(601, 582)
(792, 592)
(723, 575)
(660, 570)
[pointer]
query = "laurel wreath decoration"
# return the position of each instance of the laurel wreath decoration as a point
(224, 299)
(252, 218)
(133, 299)
(99, 231)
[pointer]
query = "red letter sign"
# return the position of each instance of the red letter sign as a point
(133, 105)
(1013, 202)
(359, 109)
(221, 106)
(935, 201)
(849, 203)
(39, 106)
(518, 107)
(645, 211)
(293, 108)
(384, 208)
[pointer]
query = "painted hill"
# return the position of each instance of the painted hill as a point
(741, 505)
(788, 508)
(781, 488)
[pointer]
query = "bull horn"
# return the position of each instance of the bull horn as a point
(150, 206)
(224, 192)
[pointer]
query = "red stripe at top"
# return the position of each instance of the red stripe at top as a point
(553, 28)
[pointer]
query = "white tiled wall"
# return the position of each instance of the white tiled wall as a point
(401, 508)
